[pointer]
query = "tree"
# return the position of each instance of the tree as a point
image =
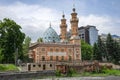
(1, 55)
(101, 49)
(95, 52)
(11, 39)
(86, 51)
(26, 45)
(116, 53)
(40, 40)
(109, 47)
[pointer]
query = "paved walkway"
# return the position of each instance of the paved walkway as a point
(85, 78)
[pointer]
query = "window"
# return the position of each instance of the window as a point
(39, 65)
(43, 58)
(50, 65)
(70, 50)
(51, 57)
(77, 51)
(57, 50)
(62, 50)
(70, 58)
(33, 65)
(51, 49)
(62, 58)
(82, 37)
(56, 58)
(43, 49)
(82, 34)
(77, 55)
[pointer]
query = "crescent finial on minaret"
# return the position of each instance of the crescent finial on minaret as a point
(63, 15)
(74, 6)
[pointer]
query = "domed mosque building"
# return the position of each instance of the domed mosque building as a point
(50, 35)
(57, 52)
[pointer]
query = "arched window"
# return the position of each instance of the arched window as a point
(39, 65)
(70, 58)
(43, 58)
(57, 58)
(62, 50)
(57, 50)
(62, 58)
(51, 57)
(50, 65)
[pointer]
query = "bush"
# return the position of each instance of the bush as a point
(8, 67)
(112, 72)
(70, 72)
(58, 73)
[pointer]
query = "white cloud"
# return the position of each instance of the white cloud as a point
(105, 24)
(35, 19)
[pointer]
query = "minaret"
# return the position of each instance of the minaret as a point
(75, 39)
(74, 28)
(63, 28)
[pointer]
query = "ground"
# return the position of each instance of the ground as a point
(84, 78)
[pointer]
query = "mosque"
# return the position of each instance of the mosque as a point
(55, 52)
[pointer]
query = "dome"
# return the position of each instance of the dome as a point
(50, 35)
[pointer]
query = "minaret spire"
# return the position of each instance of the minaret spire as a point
(74, 6)
(74, 27)
(63, 16)
(63, 27)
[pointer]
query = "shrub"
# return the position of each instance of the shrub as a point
(70, 72)
(58, 73)
(8, 67)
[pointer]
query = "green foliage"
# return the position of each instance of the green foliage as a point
(11, 39)
(113, 50)
(104, 72)
(26, 45)
(58, 73)
(8, 67)
(108, 50)
(99, 51)
(71, 72)
(109, 47)
(86, 51)
(95, 52)
(1, 55)
(111, 72)
(116, 53)
(40, 40)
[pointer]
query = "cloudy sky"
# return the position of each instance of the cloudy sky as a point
(34, 16)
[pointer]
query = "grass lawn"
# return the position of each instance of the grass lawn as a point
(8, 67)
(106, 72)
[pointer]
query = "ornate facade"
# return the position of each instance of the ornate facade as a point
(52, 52)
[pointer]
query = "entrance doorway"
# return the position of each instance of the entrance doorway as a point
(29, 67)
(44, 67)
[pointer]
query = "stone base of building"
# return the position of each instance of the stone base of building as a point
(64, 66)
